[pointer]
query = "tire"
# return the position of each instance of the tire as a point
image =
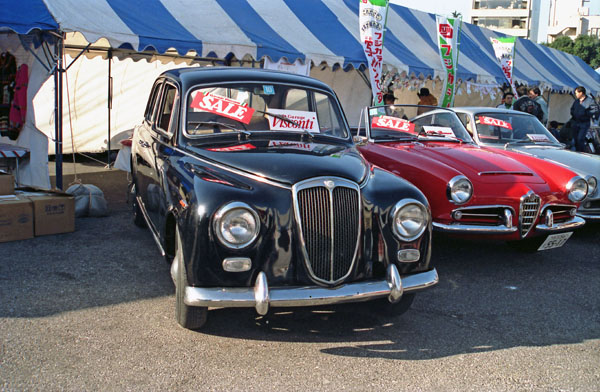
(138, 216)
(386, 307)
(190, 317)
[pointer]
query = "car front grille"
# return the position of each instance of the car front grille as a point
(530, 206)
(328, 213)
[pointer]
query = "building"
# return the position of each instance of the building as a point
(519, 18)
(572, 18)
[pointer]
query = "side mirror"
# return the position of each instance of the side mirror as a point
(360, 140)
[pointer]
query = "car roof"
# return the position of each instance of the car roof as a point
(487, 109)
(201, 75)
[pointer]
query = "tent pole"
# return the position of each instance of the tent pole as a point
(109, 101)
(58, 130)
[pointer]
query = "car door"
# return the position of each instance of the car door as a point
(142, 150)
(162, 143)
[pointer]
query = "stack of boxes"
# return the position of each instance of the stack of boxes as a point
(25, 214)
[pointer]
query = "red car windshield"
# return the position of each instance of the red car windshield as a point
(396, 122)
(502, 128)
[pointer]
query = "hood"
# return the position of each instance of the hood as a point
(479, 163)
(581, 163)
(288, 161)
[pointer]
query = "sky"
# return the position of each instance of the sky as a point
(446, 7)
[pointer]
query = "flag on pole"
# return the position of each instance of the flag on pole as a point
(504, 49)
(372, 18)
(448, 38)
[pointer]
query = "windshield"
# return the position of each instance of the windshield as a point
(411, 122)
(262, 107)
(502, 128)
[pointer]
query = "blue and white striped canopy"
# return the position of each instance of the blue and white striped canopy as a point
(315, 30)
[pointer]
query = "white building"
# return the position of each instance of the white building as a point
(519, 18)
(572, 18)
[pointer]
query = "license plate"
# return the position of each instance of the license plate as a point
(555, 241)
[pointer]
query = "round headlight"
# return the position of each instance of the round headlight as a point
(236, 225)
(577, 188)
(592, 185)
(459, 190)
(411, 218)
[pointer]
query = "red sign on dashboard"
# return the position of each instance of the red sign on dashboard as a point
(495, 122)
(223, 107)
(394, 123)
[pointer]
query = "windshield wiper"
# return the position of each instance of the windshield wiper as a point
(217, 131)
(283, 118)
(520, 141)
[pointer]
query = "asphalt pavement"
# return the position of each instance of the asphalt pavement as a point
(94, 310)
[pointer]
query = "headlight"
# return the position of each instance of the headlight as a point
(236, 225)
(592, 185)
(459, 190)
(410, 219)
(577, 188)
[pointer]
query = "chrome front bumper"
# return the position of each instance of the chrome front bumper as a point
(261, 296)
(572, 224)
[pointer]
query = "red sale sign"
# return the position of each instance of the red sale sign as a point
(222, 106)
(394, 123)
(484, 120)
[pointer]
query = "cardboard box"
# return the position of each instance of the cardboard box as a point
(7, 184)
(16, 218)
(53, 213)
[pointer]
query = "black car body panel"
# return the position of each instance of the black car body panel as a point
(186, 181)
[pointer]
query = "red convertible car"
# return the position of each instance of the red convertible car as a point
(473, 191)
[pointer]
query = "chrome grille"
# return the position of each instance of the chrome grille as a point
(328, 213)
(530, 206)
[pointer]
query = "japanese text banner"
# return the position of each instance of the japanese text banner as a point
(448, 33)
(504, 49)
(371, 19)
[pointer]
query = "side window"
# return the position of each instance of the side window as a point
(166, 108)
(464, 118)
(328, 116)
(152, 101)
(296, 100)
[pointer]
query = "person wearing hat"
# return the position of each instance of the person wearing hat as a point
(425, 98)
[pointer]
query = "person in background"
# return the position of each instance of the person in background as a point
(390, 109)
(535, 94)
(425, 98)
(581, 116)
(526, 104)
(553, 128)
(507, 100)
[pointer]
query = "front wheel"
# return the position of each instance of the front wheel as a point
(190, 317)
(395, 309)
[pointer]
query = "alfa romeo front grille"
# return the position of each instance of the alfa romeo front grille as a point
(530, 206)
(328, 213)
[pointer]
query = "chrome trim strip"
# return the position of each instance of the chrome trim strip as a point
(495, 173)
(589, 217)
(474, 229)
(572, 224)
(244, 297)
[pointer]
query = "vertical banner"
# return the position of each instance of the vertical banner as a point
(504, 49)
(448, 33)
(371, 18)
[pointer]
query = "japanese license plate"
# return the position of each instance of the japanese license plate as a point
(555, 240)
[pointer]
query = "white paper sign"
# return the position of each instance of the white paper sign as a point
(299, 120)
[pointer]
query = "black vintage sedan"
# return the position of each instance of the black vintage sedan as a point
(254, 192)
